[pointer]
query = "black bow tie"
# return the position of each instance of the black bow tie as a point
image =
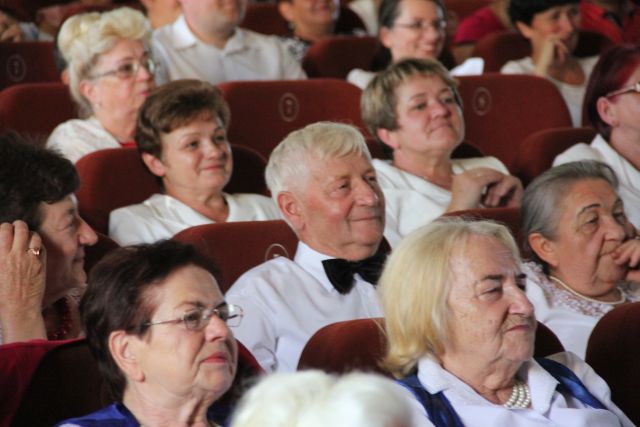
(340, 271)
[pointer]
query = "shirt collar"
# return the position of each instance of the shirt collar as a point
(311, 261)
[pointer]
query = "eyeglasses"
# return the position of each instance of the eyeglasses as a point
(633, 88)
(438, 25)
(198, 318)
(130, 69)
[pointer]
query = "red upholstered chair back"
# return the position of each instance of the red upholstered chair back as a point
(66, 384)
(264, 112)
(501, 110)
(26, 62)
(360, 345)
(613, 351)
(116, 177)
(35, 108)
(236, 247)
(499, 48)
(462, 8)
(266, 19)
(334, 57)
(507, 216)
(537, 151)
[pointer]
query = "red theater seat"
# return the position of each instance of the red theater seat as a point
(334, 57)
(26, 62)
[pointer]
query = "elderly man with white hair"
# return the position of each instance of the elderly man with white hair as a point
(322, 179)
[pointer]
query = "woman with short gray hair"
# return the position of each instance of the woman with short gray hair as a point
(583, 249)
(110, 75)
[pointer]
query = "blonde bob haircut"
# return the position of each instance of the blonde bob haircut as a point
(290, 161)
(414, 288)
(379, 102)
(86, 36)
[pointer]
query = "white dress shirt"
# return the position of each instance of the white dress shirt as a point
(162, 216)
(628, 175)
(76, 138)
(412, 201)
(548, 407)
(572, 94)
(570, 317)
(285, 302)
(246, 56)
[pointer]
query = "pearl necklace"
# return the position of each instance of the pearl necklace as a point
(520, 396)
(622, 299)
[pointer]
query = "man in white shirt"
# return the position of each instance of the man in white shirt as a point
(206, 43)
(323, 181)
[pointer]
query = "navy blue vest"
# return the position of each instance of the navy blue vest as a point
(442, 414)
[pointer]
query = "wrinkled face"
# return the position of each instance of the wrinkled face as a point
(114, 95)
(491, 317)
(561, 22)
(428, 117)
(309, 15)
(625, 109)
(213, 15)
(187, 362)
(64, 235)
(196, 158)
(591, 224)
(341, 206)
(419, 31)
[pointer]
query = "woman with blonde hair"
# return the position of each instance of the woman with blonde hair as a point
(461, 330)
(110, 74)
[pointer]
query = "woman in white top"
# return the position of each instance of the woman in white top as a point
(552, 29)
(414, 110)
(583, 249)
(181, 134)
(110, 74)
(460, 335)
(613, 104)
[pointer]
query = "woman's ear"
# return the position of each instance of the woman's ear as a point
(286, 10)
(123, 351)
(544, 248)
(524, 29)
(154, 164)
(388, 137)
(607, 111)
(89, 90)
(385, 36)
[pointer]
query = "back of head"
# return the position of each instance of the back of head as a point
(174, 105)
(31, 175)
(83, 37)
(117, 297)
(289, 161)
(317, 399)
(543, 198)
(524, 10)
(414, 288)
(613, 69)
(379, 100)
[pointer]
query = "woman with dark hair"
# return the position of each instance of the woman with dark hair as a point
(552, 29)
(612, 102)
(42, 241)
(158, 326)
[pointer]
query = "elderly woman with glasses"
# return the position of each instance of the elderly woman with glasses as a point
(461, 335)
(584, 255)
(110, 75)
(612, 102)
(158, 326)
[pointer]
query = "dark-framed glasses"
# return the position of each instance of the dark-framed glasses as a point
(633, 88)
(129, 69)
(198, 318)
(438, 25)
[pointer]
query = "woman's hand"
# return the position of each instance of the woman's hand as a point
(554, 51)
(22, 283)
(10, 30)
(628, 255)
(468, 189)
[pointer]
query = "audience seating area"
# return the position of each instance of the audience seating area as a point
(520, 119)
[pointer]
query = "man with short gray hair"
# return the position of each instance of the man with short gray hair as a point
(322, 179)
